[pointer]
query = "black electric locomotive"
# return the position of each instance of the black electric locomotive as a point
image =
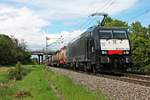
(100, 48)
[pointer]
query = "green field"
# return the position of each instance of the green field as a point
(42, 84)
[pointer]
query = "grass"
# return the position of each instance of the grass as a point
(71, 91)
(34, 85)
(3, 77)
(4, 74)
(37, 85)
(43, 84)
(7, 93)
(5, 90)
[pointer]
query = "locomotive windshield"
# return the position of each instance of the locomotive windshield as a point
(105, 34)
(119, 35)
(112, 34)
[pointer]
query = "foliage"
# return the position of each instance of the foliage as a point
(34, 61)
(140, 47)
(109, 22)
(11, 51)
(17, 73)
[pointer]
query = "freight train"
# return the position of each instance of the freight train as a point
(97, 49)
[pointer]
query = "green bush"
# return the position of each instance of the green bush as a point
(147, 68)
(11, 74)
(11, 51)
(17, 73)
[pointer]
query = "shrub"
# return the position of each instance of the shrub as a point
(147, 68)
(16, 73)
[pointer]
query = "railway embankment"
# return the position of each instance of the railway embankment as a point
(115, 89)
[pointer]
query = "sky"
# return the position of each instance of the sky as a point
(63, 20)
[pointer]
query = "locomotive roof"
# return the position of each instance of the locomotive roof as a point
(97, 27)
(100, 27)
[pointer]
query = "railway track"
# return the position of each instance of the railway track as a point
(136, 76)
(131, 78)
(126, 77)
(115, 88)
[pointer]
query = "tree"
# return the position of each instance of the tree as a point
(137, 28)
(148, 31)
(11, 51)
(140, 46)
(109, 22)
(7, 52)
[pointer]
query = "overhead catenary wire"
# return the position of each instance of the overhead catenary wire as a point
(57, 42)
(106, 6)
(90, 21)
(139, 15)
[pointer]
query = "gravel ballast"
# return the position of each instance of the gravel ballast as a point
(113, 89)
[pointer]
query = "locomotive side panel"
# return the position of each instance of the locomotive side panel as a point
(77, 51)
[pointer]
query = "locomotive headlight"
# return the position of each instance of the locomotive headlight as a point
(104, 52)
(126, 52)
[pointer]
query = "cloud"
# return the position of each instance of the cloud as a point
(63, 39)
(23, 24)
(61, 9)
(27, 23)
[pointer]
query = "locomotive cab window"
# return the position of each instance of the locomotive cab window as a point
(119, 35)
(104, 34)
